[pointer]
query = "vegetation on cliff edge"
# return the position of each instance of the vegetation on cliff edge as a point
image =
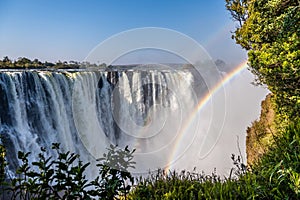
(26, 63)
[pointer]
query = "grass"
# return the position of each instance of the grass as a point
(275, 176)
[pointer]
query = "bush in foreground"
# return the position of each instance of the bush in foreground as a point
(62, 177)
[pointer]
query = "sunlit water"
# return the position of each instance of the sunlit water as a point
(149, 110)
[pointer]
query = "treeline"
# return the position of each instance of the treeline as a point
(25, 63)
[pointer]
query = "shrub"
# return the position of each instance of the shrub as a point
(62, 177)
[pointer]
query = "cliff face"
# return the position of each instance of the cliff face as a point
(259, 135)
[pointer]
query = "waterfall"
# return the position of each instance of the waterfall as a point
(85, 111)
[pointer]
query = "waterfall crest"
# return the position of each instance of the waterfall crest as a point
(85, 111)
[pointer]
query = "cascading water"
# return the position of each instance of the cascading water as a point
(85, 111)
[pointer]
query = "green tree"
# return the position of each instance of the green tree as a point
(6, 62)
(23, 62)
(37, 63)
(269, 30)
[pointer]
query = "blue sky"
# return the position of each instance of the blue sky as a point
(55, 30)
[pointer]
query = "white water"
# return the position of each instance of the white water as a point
(87, 111)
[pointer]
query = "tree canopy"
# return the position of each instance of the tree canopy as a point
(269, 30)
(25, 63)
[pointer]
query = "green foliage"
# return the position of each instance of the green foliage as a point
(278, 171)
(63, 177)
(270, 30)
(114, 176)
(2, 163)
(193, 185)
(53, 178)
(275, 176)
(25, 63)
(238, 10)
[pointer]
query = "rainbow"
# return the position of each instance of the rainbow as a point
(236, 71)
